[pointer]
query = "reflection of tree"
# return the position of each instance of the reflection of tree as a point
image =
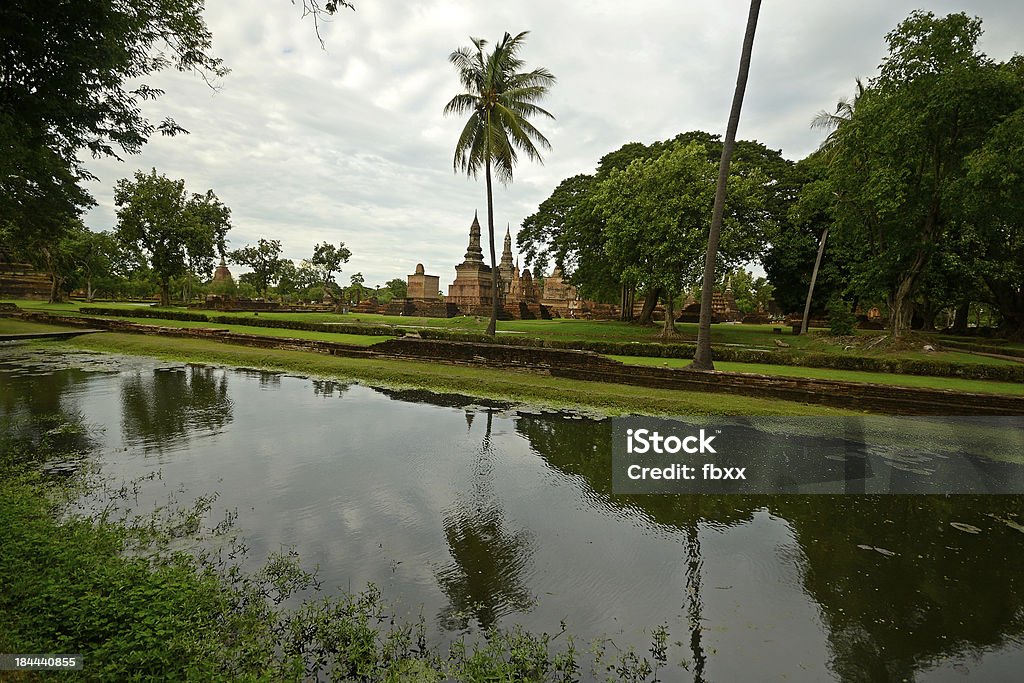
(329, 387)
(170, 404)
(37, 422)
(486, 578)
(945, 593)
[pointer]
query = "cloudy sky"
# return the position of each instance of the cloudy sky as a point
(348, 142)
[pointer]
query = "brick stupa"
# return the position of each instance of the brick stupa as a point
(472, 288)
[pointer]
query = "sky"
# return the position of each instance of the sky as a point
(347, 142)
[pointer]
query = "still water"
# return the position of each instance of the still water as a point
(481, 515)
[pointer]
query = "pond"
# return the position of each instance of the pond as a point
(480, 515)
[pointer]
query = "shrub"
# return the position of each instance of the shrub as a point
(841, 318)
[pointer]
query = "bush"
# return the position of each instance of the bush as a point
(840, 317)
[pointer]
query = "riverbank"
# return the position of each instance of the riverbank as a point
(594, 368)
(518, 386)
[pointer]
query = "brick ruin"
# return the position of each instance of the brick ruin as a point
(21, 281)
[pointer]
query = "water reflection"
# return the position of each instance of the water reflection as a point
(166, 405)
(900, 587)
(485, 581)
(482, 516)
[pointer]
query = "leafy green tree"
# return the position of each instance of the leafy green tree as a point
(264, 258)
(702, 355)
(789, 259)
(751, 294)
(209, 223)
(94, 255)
(172, 231)
(72, 81)
(901, 155)
(992, 201)
(657, 214)
(356, 288)
(398, 287)
(499, 99)
(326, 262)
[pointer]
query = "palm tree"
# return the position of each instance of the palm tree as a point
(499, 99)
(832, 122)
(702, 356)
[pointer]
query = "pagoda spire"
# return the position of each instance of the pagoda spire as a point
(474, 254)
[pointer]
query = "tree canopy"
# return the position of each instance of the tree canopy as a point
(173, 231)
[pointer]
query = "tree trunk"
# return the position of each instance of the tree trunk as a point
(669, 331)
(814, 278)
(900, 307)
(493, 323)
(1009, 300)
(960, 318)
(165, 293)
(702, 357)
(650, 302)
(626, 303)
(88, 289)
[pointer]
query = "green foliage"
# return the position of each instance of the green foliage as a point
(398, 287)
(898, 161)
(751, 294)
(326, 262)
(570, 227)
(265, 261)
(178, 234)
(841, 319)
(73, 81)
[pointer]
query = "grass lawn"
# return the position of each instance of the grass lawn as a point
(13, 326)
(523, 387)
(752, 336)
(948, 383)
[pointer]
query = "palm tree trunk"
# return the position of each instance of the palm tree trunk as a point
(493, 323)
(702, 357)
(814, 278)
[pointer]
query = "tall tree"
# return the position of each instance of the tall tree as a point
(702, 356)
(657, 214)
(499, 99)
(72, 81)
(327, 260)
(156, 215)
(901, 156)
(265, 260)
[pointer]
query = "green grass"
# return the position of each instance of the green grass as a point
(515, 386)
(14, 326)
(947, 383)
(354, 339)
(751, 336)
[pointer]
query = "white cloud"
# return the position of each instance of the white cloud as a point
(348, 143)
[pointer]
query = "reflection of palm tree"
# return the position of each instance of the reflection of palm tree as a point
(485, 580)
(695, 603)
(945, 594)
